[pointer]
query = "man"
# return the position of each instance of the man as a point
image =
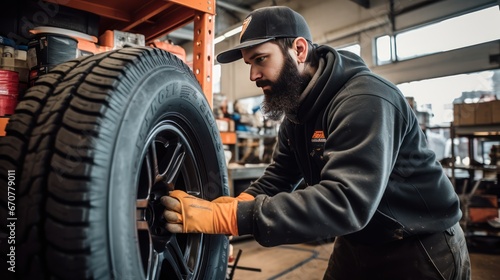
(371, 180)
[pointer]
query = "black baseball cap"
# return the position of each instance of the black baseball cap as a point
(266, 24)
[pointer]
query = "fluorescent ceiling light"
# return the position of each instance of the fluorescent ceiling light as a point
(219, 39)
(228, 34)
(233, 31)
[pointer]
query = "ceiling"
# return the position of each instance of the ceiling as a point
(229, 13)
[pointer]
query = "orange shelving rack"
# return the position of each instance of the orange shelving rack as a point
(153, 19)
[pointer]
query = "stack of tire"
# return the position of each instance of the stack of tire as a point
(45, 51)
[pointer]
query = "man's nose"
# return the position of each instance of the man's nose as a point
(255, 74)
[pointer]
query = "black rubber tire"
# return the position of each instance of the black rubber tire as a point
(94, 145)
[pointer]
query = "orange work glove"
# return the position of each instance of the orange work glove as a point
(189, 214)
(241, 197)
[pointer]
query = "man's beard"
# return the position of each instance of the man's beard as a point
(284, 94)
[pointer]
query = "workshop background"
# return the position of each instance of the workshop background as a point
(443, 55)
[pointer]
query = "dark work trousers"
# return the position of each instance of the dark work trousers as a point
(440, 256)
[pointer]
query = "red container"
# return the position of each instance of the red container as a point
(7, 104)
(9, 88)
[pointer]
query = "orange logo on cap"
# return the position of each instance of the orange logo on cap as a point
(246, 22)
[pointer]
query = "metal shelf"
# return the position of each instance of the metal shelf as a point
(473, 167)
(473, 131)
(155, 18)
(243, 172)
(477, 130)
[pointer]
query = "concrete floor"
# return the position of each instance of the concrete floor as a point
(308, 262)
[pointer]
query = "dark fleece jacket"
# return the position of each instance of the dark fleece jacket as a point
(371, 178)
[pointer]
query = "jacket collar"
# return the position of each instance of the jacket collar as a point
(334, 70)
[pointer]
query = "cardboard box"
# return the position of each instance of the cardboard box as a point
(483, 113)
(20, 54)
(495, 111)
(456, 114)
(464, 114)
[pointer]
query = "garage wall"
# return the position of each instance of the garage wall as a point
(235, 77)
(342, 22)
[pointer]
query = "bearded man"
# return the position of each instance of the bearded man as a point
(372, 182)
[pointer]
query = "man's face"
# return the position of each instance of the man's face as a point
(278, 76)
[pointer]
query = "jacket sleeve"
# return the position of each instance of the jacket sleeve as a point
(364, 133)
(282, 174)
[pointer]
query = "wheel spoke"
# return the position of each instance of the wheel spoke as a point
(149, 171)
(168, 163)
(155, 266)
(175, 162)
(173, 254)
(152, 163)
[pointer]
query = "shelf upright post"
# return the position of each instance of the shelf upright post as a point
(203, 51)
(452, 144)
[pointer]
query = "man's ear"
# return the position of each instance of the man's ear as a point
(301, 48)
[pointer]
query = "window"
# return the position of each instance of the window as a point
(461, 31)
(439, 94)
(216, 75)
(435, 98)
(384, 49)
(354, 48)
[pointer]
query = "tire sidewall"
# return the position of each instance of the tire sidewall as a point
(164, 91)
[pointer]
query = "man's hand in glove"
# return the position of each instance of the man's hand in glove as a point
(188, 214)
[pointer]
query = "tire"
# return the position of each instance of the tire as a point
(94, 145)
